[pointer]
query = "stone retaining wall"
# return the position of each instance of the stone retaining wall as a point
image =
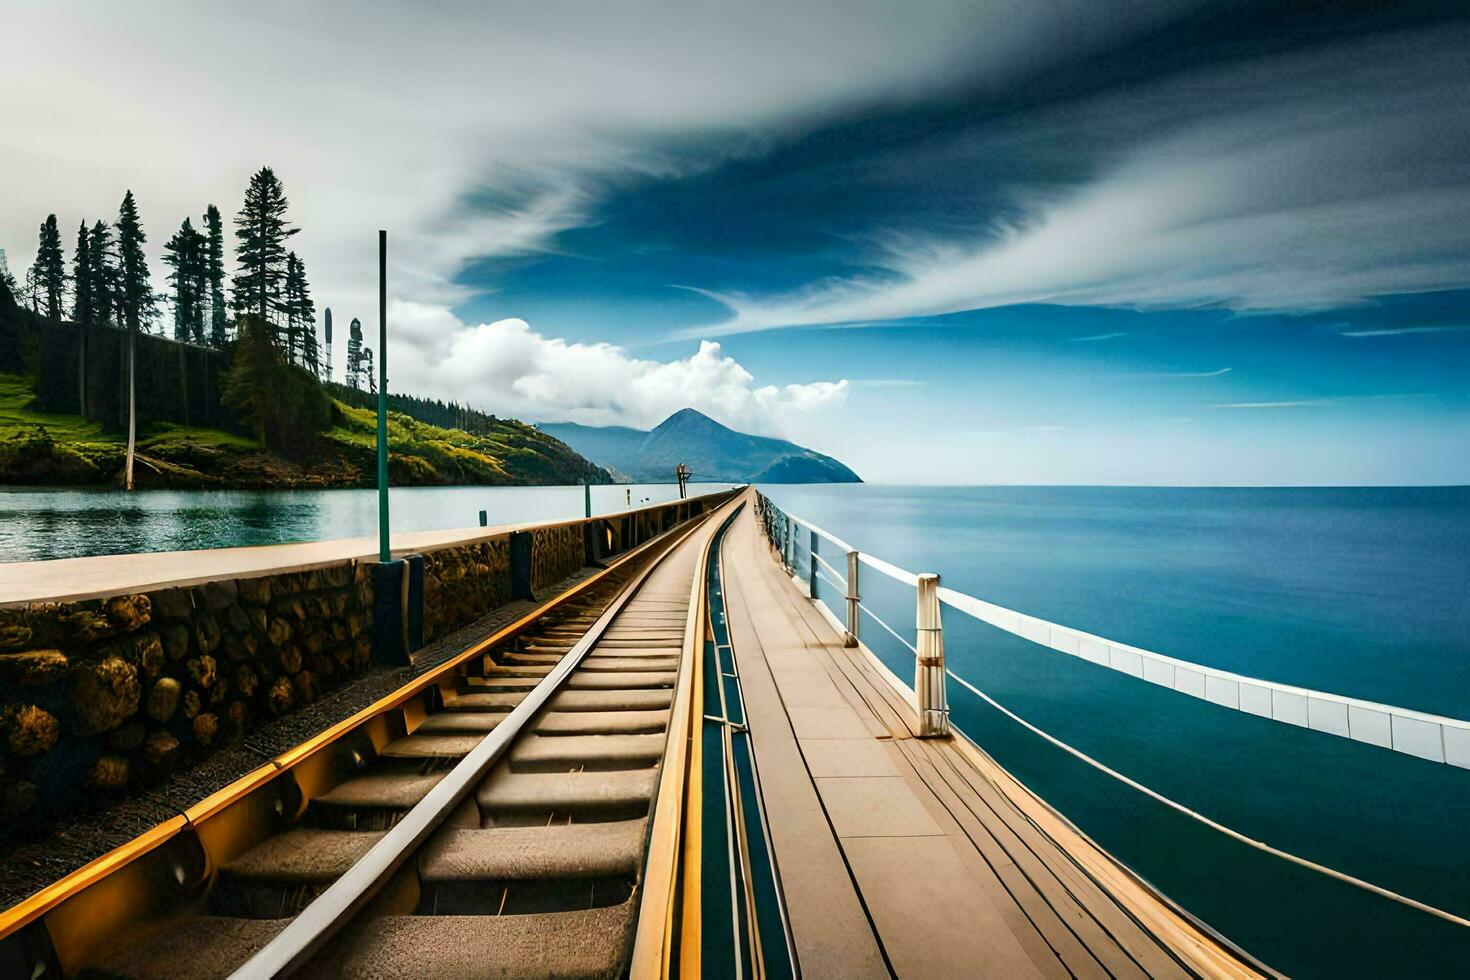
(556, 552)
(463, 583)
(103, 694)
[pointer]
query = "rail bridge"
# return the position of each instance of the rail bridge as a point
(677, 762)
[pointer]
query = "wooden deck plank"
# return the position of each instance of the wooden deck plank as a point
(828, 921)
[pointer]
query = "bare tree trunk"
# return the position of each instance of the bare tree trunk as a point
(82, 370)
(132, 416)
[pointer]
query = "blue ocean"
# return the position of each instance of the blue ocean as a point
(1355, 591)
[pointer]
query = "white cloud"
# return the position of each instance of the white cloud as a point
(1295, 183)
(508, 368)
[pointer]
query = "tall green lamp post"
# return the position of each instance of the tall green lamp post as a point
(384, 552)
(398, 604)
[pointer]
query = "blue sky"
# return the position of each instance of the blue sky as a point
(1171, 243)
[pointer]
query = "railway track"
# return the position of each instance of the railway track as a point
(500, 830)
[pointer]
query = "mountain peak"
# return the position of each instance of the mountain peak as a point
(715, 452)
(686, 417)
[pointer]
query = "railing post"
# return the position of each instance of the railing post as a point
(929, 677)
(853, 598)
(811, 571)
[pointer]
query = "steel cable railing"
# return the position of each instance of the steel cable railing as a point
(1453, 734)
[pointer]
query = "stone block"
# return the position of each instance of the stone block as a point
(205, 727)
(279, 632)
(173, 603)
(161, 749)
(29, 730)
(236, 619)
(206, 633)
(202, 670)
(246, 680)
(255, 591)
(108, 772)
(163, 699)
(289, 658)
(175, 637)
(282, 696)
(105, 693)
(219, 595)
(130, 612)
(33, 668)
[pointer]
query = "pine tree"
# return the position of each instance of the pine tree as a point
(281, 404)
(300, 312)
(261, 231)
(136, 302)
(214, 270)
(81, 305)
(81, 310)
(31, 290)
(101, 274)
(51, 267)
(354, 354)
(7, 282)
(186, 255)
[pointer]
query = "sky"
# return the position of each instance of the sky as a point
(1169, 242)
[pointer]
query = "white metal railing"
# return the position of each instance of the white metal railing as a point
(1417, 733)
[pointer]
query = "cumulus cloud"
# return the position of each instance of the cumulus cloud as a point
(509, 368)
(1300, 182)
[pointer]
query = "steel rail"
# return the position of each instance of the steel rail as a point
(306, 934)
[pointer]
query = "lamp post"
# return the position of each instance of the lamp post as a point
(384, 552)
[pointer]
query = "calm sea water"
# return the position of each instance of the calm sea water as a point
(38, 524)
(1357, 591)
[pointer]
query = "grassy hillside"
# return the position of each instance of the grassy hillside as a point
(42, 448)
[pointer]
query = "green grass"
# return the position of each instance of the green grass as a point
(431, 452)
(422, 454)
(19, 419)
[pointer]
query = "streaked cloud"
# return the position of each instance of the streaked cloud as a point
(1219, 372)
(469, 130)
(1302, 403)
(1099, 337)
(1396, 331)
(1365, 143)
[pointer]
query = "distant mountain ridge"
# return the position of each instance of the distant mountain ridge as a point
(714, 452)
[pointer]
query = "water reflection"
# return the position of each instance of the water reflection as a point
(38, 524)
